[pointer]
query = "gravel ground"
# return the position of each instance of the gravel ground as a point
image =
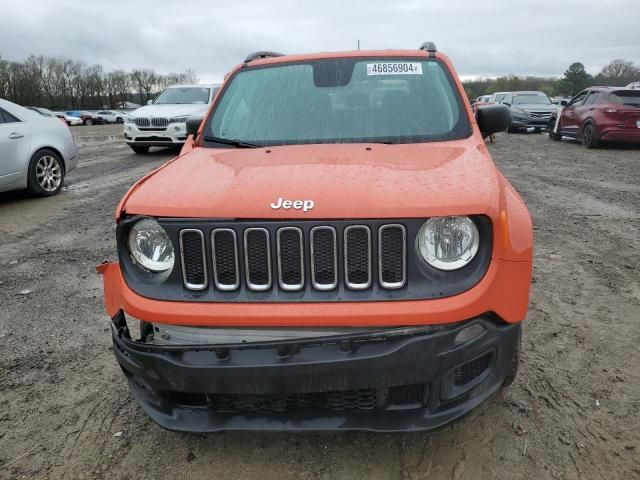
(572, 413)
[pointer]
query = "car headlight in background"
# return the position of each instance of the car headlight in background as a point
(516, 112)
(150, 246)
(182, 119)
(448, 243)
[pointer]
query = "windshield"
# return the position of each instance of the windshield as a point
(630, 98)
(340, 100)
(178, 95)
(531, 98)
(500, 97)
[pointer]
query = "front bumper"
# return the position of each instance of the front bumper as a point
(172, 134)
(400, 379)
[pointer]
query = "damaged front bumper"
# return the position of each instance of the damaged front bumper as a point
(385, 379)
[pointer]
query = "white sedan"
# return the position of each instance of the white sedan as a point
(112, 116)
(36, 151)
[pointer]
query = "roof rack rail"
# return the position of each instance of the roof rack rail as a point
(429, 47)
(259, 55)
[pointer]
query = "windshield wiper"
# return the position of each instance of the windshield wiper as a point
(233, 143)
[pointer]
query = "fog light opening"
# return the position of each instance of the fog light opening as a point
(468, 333)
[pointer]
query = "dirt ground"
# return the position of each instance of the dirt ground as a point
(574, 411)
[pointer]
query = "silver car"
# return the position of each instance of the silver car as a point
(36, 152)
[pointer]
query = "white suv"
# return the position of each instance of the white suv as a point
(162, 123)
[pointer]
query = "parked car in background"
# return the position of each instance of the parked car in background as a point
(112, 116)
(559, 100)
(480, 101)
(599, 114)
(36, 150)
(69, 120)
(529, 109)
(88, 118)
(633, 86)
(163, 122)
(498, 97)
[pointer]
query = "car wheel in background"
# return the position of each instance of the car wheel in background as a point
(553, 135)
(590, 136)
(139, 149)
(46, 173)
(119, 120)
(88, 122)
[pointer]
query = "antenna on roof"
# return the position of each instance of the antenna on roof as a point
(358, 44)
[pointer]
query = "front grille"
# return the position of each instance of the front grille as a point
(403, 397)
(299, 257)
(539, 114)
(193, 259)
(347, 400)
(469, 371)
(153, 124)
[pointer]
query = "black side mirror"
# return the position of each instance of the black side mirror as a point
(193, 124)
(506, 103)
(564, 103)
(492, 119)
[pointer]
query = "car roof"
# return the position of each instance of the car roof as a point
(195, 85)
(345, 54)
(528, 92)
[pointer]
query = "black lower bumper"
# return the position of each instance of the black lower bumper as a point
(390, 380)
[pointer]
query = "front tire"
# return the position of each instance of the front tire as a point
(553, 135)
(119, 120)
(46, 174)
(140, 150)
(590, 136)
(88, 122)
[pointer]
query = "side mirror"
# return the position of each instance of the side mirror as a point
(149, 102)
(506, 103)
(492, 119)
(564, 103)
(193, 124)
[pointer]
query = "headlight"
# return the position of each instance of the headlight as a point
(182, 119)
(448, 243)
(516, 112)
(150, 246)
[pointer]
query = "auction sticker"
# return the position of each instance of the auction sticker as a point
(394, 68)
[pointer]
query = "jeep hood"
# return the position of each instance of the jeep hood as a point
(343, 181)
(171, 110)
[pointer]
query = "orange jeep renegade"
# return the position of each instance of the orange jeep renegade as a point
(333, 249)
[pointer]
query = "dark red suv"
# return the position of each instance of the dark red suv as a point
(599, 114)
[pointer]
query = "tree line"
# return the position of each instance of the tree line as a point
(618, 73)
(60, 83)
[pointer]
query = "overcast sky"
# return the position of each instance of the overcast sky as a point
(483, 38)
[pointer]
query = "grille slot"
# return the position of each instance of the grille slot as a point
(392, 256)
(159, 122)
(193, 259)
(469, 371)
(347, 400)
(324, 258)
(357, 257)
(290, 258)
(226, 273)
(142, 122)
(257, 255)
